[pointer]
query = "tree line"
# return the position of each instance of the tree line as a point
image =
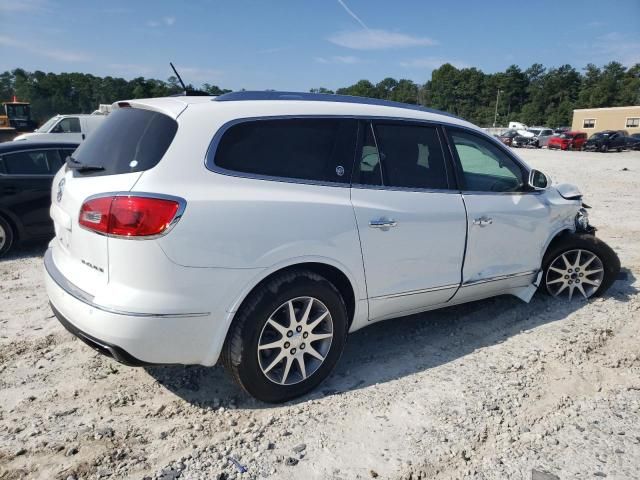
(535, 96)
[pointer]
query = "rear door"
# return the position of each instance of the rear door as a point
(507, 224)
(411, 220)
(131, 141)
(25, 182)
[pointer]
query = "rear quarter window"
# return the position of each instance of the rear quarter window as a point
(314, 149)
(129, 140)
(35, 162)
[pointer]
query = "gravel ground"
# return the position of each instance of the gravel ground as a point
(490, 390)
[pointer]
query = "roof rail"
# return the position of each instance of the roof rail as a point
(321, 97)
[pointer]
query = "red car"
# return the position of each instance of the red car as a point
(568, 141)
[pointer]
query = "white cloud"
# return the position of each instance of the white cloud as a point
(196, 74)
(54, 53)
(622, 47)
(131, 69)
(22, 5)
(379, 40)
(348, 59)
(274, 50)
(430, 63)
(163, 22)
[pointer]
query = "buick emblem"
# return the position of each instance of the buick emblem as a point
(60, 189)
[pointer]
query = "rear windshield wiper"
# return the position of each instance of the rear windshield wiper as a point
(82, 167)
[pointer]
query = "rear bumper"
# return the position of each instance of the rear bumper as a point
(100, 346)
(133, 338)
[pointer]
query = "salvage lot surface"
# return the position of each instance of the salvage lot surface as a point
(489, 390)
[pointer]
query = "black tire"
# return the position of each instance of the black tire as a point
(6, 237)
(583, 241)
(604, 148)
(240, 351)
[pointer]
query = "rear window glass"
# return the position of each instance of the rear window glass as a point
(129, 140)
(302, 148)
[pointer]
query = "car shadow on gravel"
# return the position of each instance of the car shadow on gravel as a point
(395, 348)
(28, 250)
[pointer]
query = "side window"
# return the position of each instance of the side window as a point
(486, 168)
(67, 125)
(303, 148)
(411, 156)
(37, 162)
(368, 168)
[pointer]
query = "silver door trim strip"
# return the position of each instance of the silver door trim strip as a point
(79, 294)
(498, 278)
(415, 292)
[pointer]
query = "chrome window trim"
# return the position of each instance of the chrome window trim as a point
(182, 205)
(209, 159)
(88, 299)
(416, 292)
(498, 278)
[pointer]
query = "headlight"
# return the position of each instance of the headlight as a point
(582, 220)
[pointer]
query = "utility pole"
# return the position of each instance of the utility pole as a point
(495, 117)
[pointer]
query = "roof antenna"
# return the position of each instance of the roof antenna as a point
(186, 91)
(179, 78)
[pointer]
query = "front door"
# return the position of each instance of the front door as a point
(412, 225)
(508, 225)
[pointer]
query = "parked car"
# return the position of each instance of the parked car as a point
(568, 141)
(538, 137)
(517, 126)
(26, 172)
(633, 141)
(507, 136)
(65, 128)
(239, 228)
(607, 140)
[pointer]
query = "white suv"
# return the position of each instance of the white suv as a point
(260, 228)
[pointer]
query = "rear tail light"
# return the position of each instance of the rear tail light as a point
(130, 216)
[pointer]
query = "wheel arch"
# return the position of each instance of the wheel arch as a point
(15, 225)
(553, 239)
(332, 273)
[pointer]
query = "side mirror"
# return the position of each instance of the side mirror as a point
(538, 180)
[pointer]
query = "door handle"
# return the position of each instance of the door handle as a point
(483, 221)
(383, 223)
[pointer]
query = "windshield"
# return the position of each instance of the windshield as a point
(598, 136)
(535, 131)
(48, 124)
(17, 111)
(129, 140)
(566, 135)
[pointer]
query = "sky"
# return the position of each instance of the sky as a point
(303, 44)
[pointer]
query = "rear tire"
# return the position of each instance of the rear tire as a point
(6, 237)
(592, 284)
(265, 319)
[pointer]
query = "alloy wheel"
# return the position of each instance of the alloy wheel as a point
(3, 237)
(573, 270)
(295, 340)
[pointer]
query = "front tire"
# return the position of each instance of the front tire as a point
(6, 237)
(579, 264)
(287, 337)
